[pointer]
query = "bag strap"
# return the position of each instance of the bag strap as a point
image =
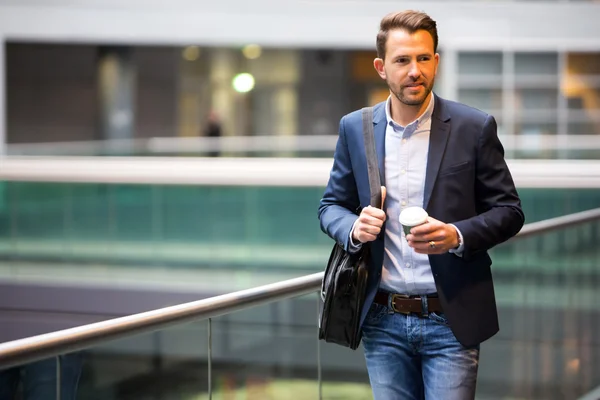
(372, 166)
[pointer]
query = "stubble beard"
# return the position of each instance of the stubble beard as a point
(411, 101)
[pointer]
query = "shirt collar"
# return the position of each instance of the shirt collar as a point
(416, 123)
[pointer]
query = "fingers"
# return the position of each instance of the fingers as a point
(383, 194)
(369, 224)
(431, 225)
(438, 235)
(425, 247)
(365, 237)
(366, 233)
(442, 235)
(373, 212)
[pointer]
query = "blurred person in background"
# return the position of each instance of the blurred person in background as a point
(430, 297)
(213, 130)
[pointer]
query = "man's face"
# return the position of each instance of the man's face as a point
(410, 65)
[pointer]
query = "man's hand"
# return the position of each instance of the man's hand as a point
(443, 236)
(369, 222)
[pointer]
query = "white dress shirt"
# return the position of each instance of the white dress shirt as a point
(405, 271)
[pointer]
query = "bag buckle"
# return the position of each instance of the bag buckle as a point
(393, 303)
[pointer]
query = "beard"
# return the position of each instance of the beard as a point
(414, 99)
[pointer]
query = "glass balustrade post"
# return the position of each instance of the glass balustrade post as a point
(58, 377)
(209, 359)
(319, 376)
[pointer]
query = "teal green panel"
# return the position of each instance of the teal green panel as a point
(199, 226)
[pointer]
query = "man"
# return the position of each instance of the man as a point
(430, 297)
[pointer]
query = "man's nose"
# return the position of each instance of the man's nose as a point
(414, 71)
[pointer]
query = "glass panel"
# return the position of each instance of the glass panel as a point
(114, 230)
(344, 373)
(586, 98)
(585, 127)
(167, 364)
(536, 64)
(583, 110)
(546, 290)
(488, 100)
(181, 242)
(40, 379)
(267, 352)
(583, 63)
(536, 128)
(480, 63)
(536, 99)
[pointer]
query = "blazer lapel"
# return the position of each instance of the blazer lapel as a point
(379, 122)
(438, 138)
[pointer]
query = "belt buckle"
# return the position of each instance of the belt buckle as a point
(393, 303)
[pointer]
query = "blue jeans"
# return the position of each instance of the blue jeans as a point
(39, 379)
(411, 357)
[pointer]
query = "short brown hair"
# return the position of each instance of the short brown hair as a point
(410, 21)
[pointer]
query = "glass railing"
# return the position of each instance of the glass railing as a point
(547, 293)
(256, 348)
(192, 228)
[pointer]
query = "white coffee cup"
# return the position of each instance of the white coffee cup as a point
(411, 217)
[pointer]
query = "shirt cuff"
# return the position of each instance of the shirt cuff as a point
(459, 250)
(352, 245)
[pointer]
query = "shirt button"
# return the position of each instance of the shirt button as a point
(403, 140)
(403, 171)
(407, 265)
(403, 203)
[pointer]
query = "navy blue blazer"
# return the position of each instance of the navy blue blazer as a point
(467, 183)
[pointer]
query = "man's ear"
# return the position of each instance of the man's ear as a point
(378, 64)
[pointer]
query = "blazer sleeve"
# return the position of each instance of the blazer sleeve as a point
(497, 203)
(337, 209)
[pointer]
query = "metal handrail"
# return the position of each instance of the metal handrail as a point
(23, 351)
(35, 348)
(536, 228)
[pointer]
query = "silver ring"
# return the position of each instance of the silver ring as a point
(432, 244)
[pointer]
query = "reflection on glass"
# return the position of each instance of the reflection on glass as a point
(586, 98)
(583, 109)
(546, 290)
(484, 63)
(39, 380)
(536, 64)
(98, 232)
(583, 63)
(536, 99)
(579, 127)
(167, 364)
(488, 100)
(267, 352)
(536, 128)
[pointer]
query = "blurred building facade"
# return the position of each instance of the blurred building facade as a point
(72, 253)
(92, 70)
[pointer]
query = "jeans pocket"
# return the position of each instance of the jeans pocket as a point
(439, 318)
(376, 312)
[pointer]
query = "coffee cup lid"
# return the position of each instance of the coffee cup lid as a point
(413, 216)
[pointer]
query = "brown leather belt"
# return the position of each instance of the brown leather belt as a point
(407, 305)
